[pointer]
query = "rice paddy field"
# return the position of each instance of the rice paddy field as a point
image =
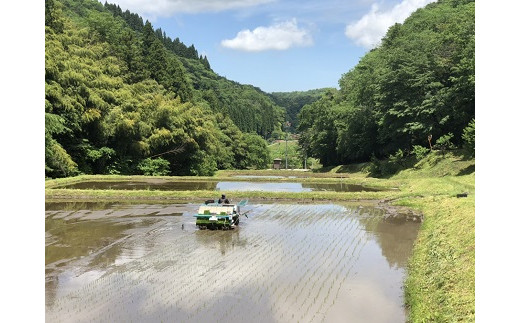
(286, 262)
(130, 251)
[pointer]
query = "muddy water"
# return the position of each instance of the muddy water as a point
(224, 186)
(285, 263)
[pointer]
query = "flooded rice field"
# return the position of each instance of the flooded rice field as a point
(158, 184)
(284, 263)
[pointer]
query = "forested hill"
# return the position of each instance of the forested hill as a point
(249, 107)
(419, 82)
(294, 101)
(123, 98)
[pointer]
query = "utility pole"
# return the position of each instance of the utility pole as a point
(287, 125)
(286, 150)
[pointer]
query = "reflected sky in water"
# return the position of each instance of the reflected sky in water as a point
(284, 263)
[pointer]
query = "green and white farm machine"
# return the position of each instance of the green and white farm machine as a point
(219, 216)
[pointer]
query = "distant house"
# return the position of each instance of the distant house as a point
(277, 163)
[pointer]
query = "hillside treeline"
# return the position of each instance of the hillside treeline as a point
(419, 82)
(122, 98)
(293, 102)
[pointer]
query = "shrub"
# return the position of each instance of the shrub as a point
(257, 155)
(444, 143)
(203, 164)
(374, 167)
(99, 159)
(154, 167)
(468, 136)
(397, 159)
(420, 152)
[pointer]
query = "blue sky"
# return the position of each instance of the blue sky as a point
(277, 45)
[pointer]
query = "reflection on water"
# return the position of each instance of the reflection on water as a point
(392, 234)
(221, 240)
(340, 187)
(285, 263)
(159, 185)
(78, 205)
(262, 176)
(265, 187)
(224, 186)
(75, 239)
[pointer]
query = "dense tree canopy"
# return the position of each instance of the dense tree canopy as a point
(294, 101)
(261, 116)
(118, 100)
(420, 81)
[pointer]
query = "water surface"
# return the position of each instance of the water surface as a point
(218, 186)
(285, 263)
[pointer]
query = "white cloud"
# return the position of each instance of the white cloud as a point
(165, 8)
(280, 36)
(369, 30)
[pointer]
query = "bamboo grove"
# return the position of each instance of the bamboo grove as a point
(123, 98)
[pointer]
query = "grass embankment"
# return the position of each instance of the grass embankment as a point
(228, 175)
(440, 286)
(441, 279)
